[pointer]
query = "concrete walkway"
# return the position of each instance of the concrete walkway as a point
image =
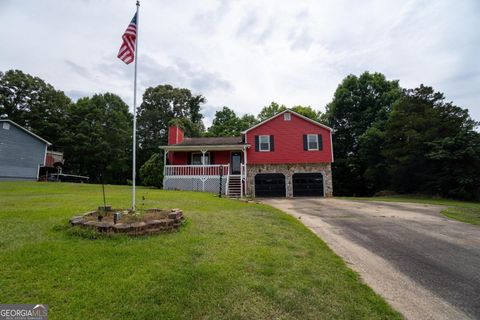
(425, 265)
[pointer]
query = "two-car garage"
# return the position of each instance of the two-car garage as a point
(303, 185)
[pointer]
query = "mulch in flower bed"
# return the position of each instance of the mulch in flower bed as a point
(152, 221)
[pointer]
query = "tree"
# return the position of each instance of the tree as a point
(160, 105)
(151, 171)
(34, 104)
(457, 163)
(226, 123)
(271, 110)
(432, 147)
(275, 108)
(247, 121)
(357, 115)
(307, 112)
(99, 139)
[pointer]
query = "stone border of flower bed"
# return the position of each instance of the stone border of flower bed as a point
(173, 222)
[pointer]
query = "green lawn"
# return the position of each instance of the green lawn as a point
(464, 211)
(232, 260)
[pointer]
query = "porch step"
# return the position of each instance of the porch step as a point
(235, 187)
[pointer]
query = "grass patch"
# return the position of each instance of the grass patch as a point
(232, 260)
(468, 212)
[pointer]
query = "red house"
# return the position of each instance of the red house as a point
(287, 155)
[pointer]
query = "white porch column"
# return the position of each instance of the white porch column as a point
(203, 160)
(245, 167)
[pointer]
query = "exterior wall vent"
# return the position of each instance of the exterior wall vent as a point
(6, 126)
(287, 116)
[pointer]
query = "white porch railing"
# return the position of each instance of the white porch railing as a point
(243, 176)
(196, 170)
(204, 178)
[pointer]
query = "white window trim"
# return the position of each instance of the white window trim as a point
(308, 142)
(260, 143)
(287, 116)
(195, 153)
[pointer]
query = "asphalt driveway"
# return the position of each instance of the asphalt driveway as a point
(425, 265)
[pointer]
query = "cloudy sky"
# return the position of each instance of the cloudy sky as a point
(245, 54)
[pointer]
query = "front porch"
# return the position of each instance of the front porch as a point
(215, 169)
(207, 178)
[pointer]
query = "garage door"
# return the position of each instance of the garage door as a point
(307, 185)
(270, 185)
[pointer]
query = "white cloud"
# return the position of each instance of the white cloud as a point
(245, 54)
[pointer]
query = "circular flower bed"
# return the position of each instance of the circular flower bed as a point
(152, 221)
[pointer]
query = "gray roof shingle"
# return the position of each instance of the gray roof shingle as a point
(210, 141)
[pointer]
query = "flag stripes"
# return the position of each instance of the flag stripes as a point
(127, 50)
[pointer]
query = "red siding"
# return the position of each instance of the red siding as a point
(288, 142)
(175, 135)
(221, 157)
(180, 158)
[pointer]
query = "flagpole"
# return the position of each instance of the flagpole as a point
(135, 114)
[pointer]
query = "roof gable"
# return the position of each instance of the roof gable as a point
(25, 130)
(292, 112)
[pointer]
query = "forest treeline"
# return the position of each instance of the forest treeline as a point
(386, 138)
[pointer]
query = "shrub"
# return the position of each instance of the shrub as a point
(151, 172)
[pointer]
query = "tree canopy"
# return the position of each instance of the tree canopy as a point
(307, 111)
(357, 115)
(270, 110)
(227, 123)
(33, 104)
(99, 139)
(405, 140)
(431, 146)
(160, 105)
(275, 108)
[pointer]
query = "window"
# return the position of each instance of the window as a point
(197, 158)
(264, 142)
(6, 126)
(312, 140)
(287, 116)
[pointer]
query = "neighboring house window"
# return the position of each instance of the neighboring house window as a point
(287, 116)
(312, 140)
(197, 158)
(6, 126)
(264, 142)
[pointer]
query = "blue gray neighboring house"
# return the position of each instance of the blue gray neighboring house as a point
(22, 152)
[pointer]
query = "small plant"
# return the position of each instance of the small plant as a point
(142, 208)
(101, 213)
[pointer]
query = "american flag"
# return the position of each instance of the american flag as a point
(127, 50)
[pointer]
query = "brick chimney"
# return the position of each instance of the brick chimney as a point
(175, 135)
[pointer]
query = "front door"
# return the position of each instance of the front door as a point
(235, 163)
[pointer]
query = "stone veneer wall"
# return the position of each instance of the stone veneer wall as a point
(288, 170)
